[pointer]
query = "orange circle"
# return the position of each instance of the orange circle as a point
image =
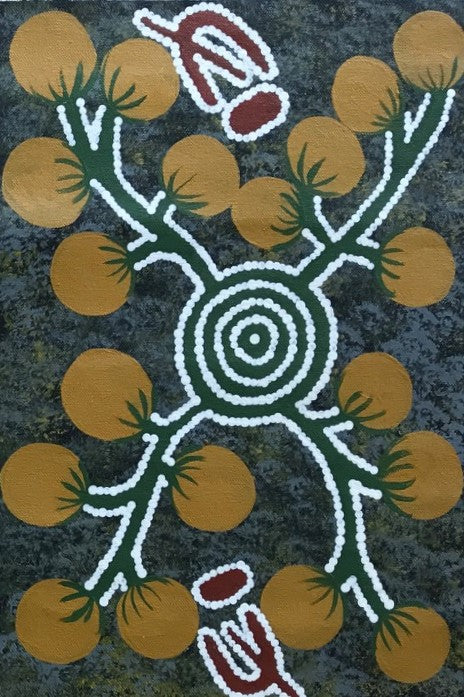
(141, 71)
(417, 267)
(264, 212)
(422, 647)
(47, 50)
(376, 390)
(303, 610)
(365, 94)
(158, 619)
(429, 50)
(327, 152)
(222, 494)
(201, 174)
(32, 179)
(434, 471)
(97, 388)
(43, 633)
(32, 484)
(85, 274)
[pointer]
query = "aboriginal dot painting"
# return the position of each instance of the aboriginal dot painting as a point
(232, 349)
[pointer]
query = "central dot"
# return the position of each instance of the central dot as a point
(254, 339)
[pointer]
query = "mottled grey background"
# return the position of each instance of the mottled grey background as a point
(292, 521)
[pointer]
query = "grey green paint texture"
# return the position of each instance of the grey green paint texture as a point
(292, 521)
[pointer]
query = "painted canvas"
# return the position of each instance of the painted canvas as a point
(232, 348)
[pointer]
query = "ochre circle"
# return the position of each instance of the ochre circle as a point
(299, 615)
(223, 492)
(363, 90)
(429, 50)
(332, 145)
(42, 631)
(146, 66)
(163, 623)
(423, 264)
(382, 384)
(421, 651)
(32, 177)
(85, 277)
(47, 49)
(32, 483)
(262, 210)
(436, 473)
(96, 388)
(201, 170)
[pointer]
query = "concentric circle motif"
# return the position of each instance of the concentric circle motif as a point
(254, 342)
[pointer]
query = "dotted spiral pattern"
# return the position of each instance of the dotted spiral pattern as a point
(254, 342)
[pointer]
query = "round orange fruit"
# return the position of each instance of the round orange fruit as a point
(421, 646)
(51, 54)
(44, 183)
(201, 175)
(158, 619)
(366, 94)
(326, 155)
(45, 626)
(107, 394)
(417, 267)
(265, 212)
(41, 484)
(304, 610)
(429, 50)
(89, 274)
(375, 390)
(214, 491)
(424, 478)
(139, 78)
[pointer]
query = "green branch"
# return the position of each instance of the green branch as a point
(99, 165)
(343, 471)
(404, 158)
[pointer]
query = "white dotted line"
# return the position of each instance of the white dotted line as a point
(65, 125)
(130, 483)
(314, 415)
(328, 229)
(136, 552)
(356, 491)
(175, 259)
(151, 206)
(121, 212)
(92, 130)
(330, 432)
(126, 513)
(351, 583)
(409, 125)
(387, 173)
(175, 415)
(201, 251)
(120, 583)
(405, 181)
(219, 571)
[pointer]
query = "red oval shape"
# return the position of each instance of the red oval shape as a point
(248, 116)
(224, 585)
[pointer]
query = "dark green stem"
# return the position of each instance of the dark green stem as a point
(99, 165)
(404, 157)
(343, 470)
(140, 494)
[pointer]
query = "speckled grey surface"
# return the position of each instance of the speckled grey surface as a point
(292, 522)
